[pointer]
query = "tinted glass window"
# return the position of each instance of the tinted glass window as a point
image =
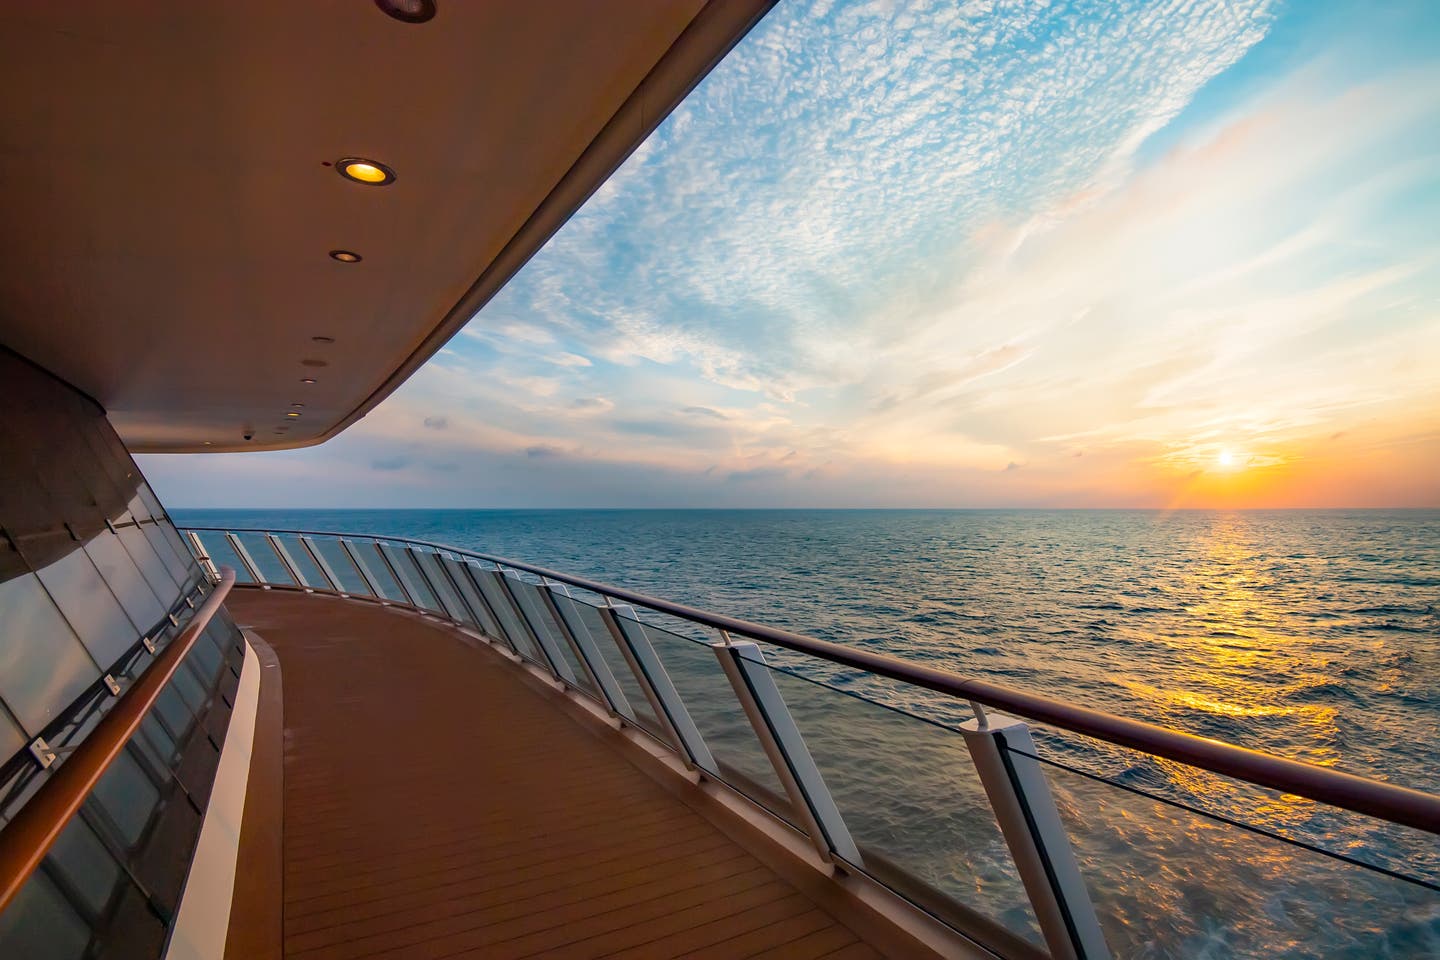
(12, 738)
(127, 797)
(85, 863)
(43, 667)
(93, 611)
(40, 924)
(155, 572)
(125, 580)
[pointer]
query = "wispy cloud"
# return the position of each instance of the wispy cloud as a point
(989, 252)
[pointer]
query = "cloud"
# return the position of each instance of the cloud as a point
(755, 473)
(704, 412)
(568, 360)
(591, 404)
(995, 252)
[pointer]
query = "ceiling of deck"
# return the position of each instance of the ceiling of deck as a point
(169, 210)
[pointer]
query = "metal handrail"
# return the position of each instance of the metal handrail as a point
(1387, 801)
(30, 834)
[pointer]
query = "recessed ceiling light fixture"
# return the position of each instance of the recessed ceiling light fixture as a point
(372, 173)
(346, 256)
(297, 404)
(307, 380)
(323, 339)
(292, 413)
(408, 11)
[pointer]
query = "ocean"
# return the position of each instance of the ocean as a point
(1310, 634)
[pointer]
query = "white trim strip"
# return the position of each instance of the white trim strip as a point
(203, 919)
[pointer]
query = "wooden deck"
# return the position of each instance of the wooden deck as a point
(436, 805)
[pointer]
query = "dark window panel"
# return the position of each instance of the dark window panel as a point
(125, 580)
(155, 572)
(86, 867)
(128, 797)
(94, 613)
(40, 924)
(43, 667)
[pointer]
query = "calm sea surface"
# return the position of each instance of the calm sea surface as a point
(1310, 634)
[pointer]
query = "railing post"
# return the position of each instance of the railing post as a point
(287, 561)
(364, 570)
(664, 699)
(246, 559)
(467, 609)
(541, 638)
(203, 556)
(324, 565)
(589, 658)
(417, 558)
(1004, 756)
(755, 688)
(400, 577)
(468, 568)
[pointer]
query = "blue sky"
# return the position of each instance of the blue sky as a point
(986, 254)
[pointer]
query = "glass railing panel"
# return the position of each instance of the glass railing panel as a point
(584, 618)
(218, 549)
(913, 802)
(1170, 879)
(702, 685)
(537, 612)
(460, 575)
(439, 582)
(304, 564)
(514, 631)
(347, 575)
(265, 559)
(368, 552)
(403, 565)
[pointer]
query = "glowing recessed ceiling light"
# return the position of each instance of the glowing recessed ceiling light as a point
(307, 380)
(323, 339)
(292, 413)
(346, 256)
(408, 11)
(372, 173)
(297, 404)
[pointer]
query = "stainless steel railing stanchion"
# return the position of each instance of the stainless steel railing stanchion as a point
(203, 556)
(364, 569)
(1004, 756)
(589, 657)
(669, 709)
(323, 565)
(541, 638)
(400, 576)
(744, 666)
(246, 559)
(286, 561)
(469, 568)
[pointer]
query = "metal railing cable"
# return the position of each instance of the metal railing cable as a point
(1386, 801)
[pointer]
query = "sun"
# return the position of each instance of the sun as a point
(1226, 458)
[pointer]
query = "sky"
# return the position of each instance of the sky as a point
(990, 254)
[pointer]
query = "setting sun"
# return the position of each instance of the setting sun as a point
(1226, 458)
